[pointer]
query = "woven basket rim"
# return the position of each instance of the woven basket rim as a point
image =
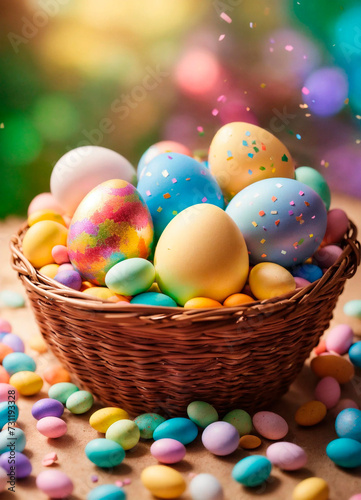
(346, 265)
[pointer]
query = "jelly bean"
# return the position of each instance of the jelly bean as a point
(50, 270)
(52, 427)
(13, 341)
(202, 303)
(339, 339)
(102, 419)
(54, 483)
(287, 456)
(270, 425)
(344, 452)
(337, 224)
(168, 451)
(241, 420)
(124, 432)
(3, 479)
(249, 442)
(354, 354)
(333, 366)
(106, 492)
(60, 254)
(79, 402)
(268, 280)
(163, 481)
(252, 471)
(13, 437)
(27, 383)
(326, 257)
(308, 272)
(47, 407)
(328, 391)
(8, 393)
(9, 460)
(312, 488)
(202, 413)
(12, 299)
(179, 428)
(71, 279)
(56, 374)
(62, 391)
(310, 413)
(353, 308)
(348, 424)
(104, 452)
(5, 326)
(220, 438)
(237, 299)
(18, 362)
(206, 487)
(8, 413)
(147, 423)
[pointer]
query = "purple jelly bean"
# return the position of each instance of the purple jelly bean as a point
(72, 279)
(16, 464)
(47, 407)
(13, 341)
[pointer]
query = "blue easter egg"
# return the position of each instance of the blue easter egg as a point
(179, 428)
(104, 452)
(282, 220)
(345, 452)
(353, 308)
(18, 362)
(354, 354)
(173, 182)
(154, 299)
(348, 424)
(9, 412)
(12, 438)
(106, 492)
(252, 471)
(308, 272)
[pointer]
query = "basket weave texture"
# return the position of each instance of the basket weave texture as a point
(156, 359)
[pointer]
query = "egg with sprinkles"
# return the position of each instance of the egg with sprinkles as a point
(242, 153)
(282, 220)
(112, 223)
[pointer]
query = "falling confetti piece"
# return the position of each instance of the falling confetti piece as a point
(262, 168)
(244, 143)
(204, 199)
(215, 112)
(221, 98)
(166, 196)
(200, 130)
(290, 212)
(264, 228)
(264, 255)
(148, 193)
(94, 478)
(174, 180)
(303, 106)
(225, 17)
(250, 172)
(262, 241)
(305, 91)
(307, 204)
(203, 172)
(284, 157)
(188, 179)
(165, 173)
(2, 125)
(283, 252)
(170, 157)
(49, 459)
(159, 209)
(346, 101)
(250, 155)
(274, 212)
(298, 137)
(357, 116)
(119, 483)
(248, 133)
(289, 48)
(261, 213)
(274, 198)
(221, 37)
(301, 241)
(307, 115)
(248, 108)
(254, 224)
(174, 212)
(310, 235)
(277, 222)
(292, 203)
(301, 193)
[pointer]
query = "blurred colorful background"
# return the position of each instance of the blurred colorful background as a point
(125, 74)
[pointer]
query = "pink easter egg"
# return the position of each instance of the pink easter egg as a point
(60, 254)
(44, 201)
(8, 393)
(287, 456)
(337, 224)
(54, 483)
(168, 451)
(270, 425)
(52, 427)
(301, 282)
(356, 497)
(339, 339)
(343, 404)
(326, 256)
(328, 391)
(5, 326)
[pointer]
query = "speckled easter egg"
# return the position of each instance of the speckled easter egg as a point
(173, 182)
(147, 424)
(157, 149)
(112, 223)
(287, 456)
(282, 220)
(241, 154)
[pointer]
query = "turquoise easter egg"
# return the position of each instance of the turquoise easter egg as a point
(348, 424)
(62, 391)
(154, 299)
(316, 181)
(353, 308)
(12, 438)
(8, 413)
(252, 471)
(345, 452)
(179, 428)
(354, 354)
(106, 492)
(147, 423)
(79, 402)
(130, 277)
(18, 362)
(104, 452)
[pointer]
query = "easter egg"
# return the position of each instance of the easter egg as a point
(252, 471)
(44, 201)
(334, 366)
(5, 350)
(10, 459)
(270, 425)
(62, 391)
(147, 423)
(345, 452)
(348, 424)
(52, 427)
(342, 405)
(27, 383)
(37, 343)
(13, 341)
(163, 481)
(201, 303)
(339, 339)
(79, 402)
(12, 438)
(106, 492)
(287, 456)
(179, 428)
(202, 413)
(112, 223)
(249, 442)
(104, 452)
(316, 181)
(153, 299)
(328, 391)
(50, 270)
(220, 438)
(156, 150)
(124, 432)
(241, 154)
(173, 182)
(168, 451)
(268, 280)
(308, 272)
(336, 228)
(5, 326)
(237, 299)
(54, 483)
(45, 215)
(282, 220)
(102, 292)
(326, 256)
(4, 376)
(39, 241)
(12, 299)
(240, 419)
(18, 362)
(8, 392)
(102, 419)
(310, 413)
(130, 276)
(312, 488)
(60, 254)
(47, 407)
(206, 487)
(354, 354)
(201, 253)
(83, 168)
(71, 279)
(353, 308)
(56, 374)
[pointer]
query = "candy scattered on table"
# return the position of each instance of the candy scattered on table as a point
(163, 481)
(9, 298)
(52, 427)
(252, 471)
(54, 483)
(102, 419)
(49, 459)
(270, 425)
(105, 452)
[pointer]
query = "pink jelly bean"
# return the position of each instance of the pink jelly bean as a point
(54, 483)
(339, 339)
(60, 254)
(328, 391)
(5, 326)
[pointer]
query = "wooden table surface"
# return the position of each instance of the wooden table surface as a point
(70, 448)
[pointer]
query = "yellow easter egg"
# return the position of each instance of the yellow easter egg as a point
(163, 481)
(237, 299)
(40, 239)
(102, 419)
(45, 215)
(201, 253)
(50, 270)
(27, 383)
(37, 343)
(201, 303)
(102, 292)
(269, 280)
(312, 488)
(241, 154)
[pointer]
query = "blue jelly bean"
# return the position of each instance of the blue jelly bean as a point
(309, 272)
(154, 299)
(106, 492)
(179, 428)
(18, 362)
(252, 471)
(9, 412)
(354, 354)
(348, 424)
(345, 452)
(12, 438)
(104, 452)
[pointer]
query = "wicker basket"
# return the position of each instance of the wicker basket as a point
(158, 359)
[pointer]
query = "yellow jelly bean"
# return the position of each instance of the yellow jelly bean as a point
(102, 419)
(163, 481)
(51, 270)
(102, 292)
(249, 442)
(311, 413)
(27, 383)
(201, 303)
(40, 239)
(37, 343)
(313, 488)
(45, 215)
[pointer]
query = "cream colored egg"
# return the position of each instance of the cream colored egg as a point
(201, 253)
(40, 239)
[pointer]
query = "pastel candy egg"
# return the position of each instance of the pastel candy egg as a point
(27, 383)
(301, 282)
(72, 279)
(79, 402)
(4, 376)
(237, 299)
(316, 181)
(130, 277)
(206, 487)
(201, 303)
(112, 223)
(13, 341)
(344, 452)
(104, 452)
(37, 343)
(39, 241)
(18, 362)
(252, 471)
(168, 451)
(62, 391)
(65, 267)
(354, 354)
(52, 427)
(12, 437)
(249, 442)
(333, 366)
(5, 350)
(343, 404)
(310, 413)
(348, 424)
(54, 483)
(5, 326)
(124, 432)
(339, 339)
(102, 419)
(282, 220)
(41, 215)
(353, 308)
(337, 224)
(104, 293)
(9, 412)
(328, 391)
(56, 374)
(179, 428)
(356, 497)
(154, 299)
(312, 488)
(11, 299)
(241, 420)
(326, 256)
(47, 407)
(287, 456)
(174, 182)
(270, 425)
(202, 413)
(309, 272)
(60, 254)
(9, 460)
(163, 481)
(50, 270)
(44, 201)
(8, 393)
(268, 280)
(220, 438)
(157, 149)
(3, 479)
(106, 492)
(147, 423)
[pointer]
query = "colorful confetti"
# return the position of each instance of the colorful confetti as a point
(261, 213)
(254, 224)
(166, 196)
(174, 180)
(284, 157)
(277, 222)
(289, 48)
(165, 173)
(274, 198)
(200, 130)
(215, 112)
(225, 17)
(305, 91)
(221, 37)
